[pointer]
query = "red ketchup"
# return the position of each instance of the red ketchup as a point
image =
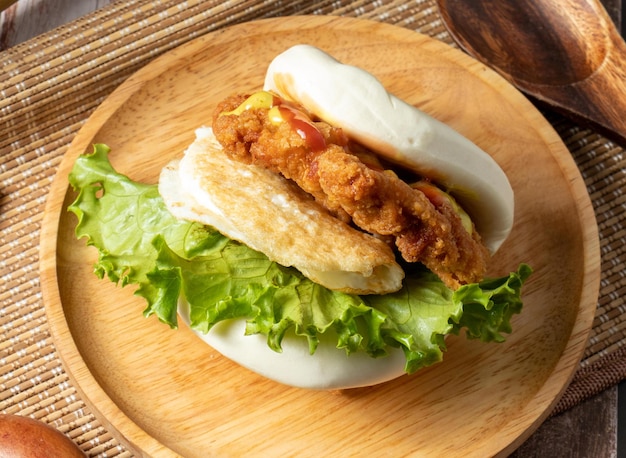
(434, 194)
(304, 126)
(284, 111)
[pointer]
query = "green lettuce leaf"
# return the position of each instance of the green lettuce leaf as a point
(141, 243)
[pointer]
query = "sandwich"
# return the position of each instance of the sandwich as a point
(320, 232)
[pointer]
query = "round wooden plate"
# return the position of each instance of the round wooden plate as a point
(164, 391)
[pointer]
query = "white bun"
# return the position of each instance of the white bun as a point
(350, 98)
(329, 368)
(289, 228)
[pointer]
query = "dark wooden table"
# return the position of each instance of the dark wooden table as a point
(587, 430)
(591, 428)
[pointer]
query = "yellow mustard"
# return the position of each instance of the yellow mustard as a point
(261, 99)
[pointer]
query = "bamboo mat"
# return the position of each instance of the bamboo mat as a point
(51, 84)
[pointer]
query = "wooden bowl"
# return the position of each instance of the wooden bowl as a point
(163, 391)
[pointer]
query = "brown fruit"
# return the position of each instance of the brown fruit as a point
(22, 437)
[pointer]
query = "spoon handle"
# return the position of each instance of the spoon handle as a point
(567, 54)
(598, 100)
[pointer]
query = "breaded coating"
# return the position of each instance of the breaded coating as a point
(426, 232)
(251, 137)
(351, 183)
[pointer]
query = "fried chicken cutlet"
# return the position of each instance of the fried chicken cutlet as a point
(351, 184)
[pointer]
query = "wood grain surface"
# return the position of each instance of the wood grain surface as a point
(558, 436)
(28, 18)
(160, 398)
(567, 54)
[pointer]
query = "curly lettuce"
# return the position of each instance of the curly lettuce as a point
(140, 243)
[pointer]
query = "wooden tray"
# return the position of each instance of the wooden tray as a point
(165, 392)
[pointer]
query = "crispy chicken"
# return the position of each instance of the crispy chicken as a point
(351, 184)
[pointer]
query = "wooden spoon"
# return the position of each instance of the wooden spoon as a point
(566, 53)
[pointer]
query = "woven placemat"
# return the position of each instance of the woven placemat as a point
(51, 84)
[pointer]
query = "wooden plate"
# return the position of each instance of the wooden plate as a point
(165, 392)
